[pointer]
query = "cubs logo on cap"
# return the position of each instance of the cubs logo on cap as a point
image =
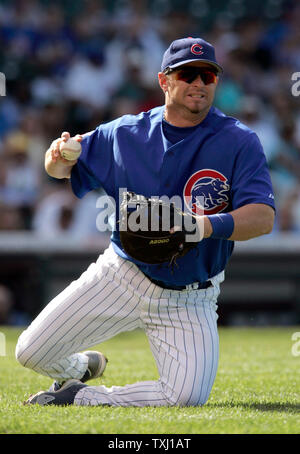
(186, 50)
(197, 49)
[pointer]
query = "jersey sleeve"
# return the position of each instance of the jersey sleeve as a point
(93, 168)
(251, 178)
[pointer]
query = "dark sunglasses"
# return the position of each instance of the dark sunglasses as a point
(190, 73)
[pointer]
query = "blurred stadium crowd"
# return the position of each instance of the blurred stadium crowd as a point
(70, 65)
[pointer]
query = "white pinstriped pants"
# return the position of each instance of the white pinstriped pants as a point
(113, 296)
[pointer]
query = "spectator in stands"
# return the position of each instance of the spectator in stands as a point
(11, 218)
(20, 183)
(59, 212)
(285, 162)
(285, 173)
(9, 315)
(288, 213)
(6, 304)
(256, 115)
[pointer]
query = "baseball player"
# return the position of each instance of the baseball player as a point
(188, 148)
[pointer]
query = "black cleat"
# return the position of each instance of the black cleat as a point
(64, 396)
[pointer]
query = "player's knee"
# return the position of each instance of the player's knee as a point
(24, 358)
(188, 397)
(22, 353)
(186, 400)
(19, 353)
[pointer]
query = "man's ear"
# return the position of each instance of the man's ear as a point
(163, 81)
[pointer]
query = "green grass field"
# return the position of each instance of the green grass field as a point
(257, 390)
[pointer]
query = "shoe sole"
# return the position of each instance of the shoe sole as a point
(96, 357)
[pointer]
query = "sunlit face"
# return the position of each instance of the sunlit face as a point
(195, 97)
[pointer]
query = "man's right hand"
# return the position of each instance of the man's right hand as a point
(54, 148)
(56, 166)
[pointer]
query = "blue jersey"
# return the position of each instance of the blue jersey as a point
(221, 160)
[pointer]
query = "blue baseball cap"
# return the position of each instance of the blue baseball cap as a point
(186, 50)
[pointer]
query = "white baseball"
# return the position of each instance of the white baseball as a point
(70, 149)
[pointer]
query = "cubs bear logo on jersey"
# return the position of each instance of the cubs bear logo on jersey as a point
(206, 192)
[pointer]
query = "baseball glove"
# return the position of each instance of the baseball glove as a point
(145, 225)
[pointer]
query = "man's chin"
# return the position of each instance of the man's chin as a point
(197, 110)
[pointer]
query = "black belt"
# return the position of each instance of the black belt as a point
(194, 286)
